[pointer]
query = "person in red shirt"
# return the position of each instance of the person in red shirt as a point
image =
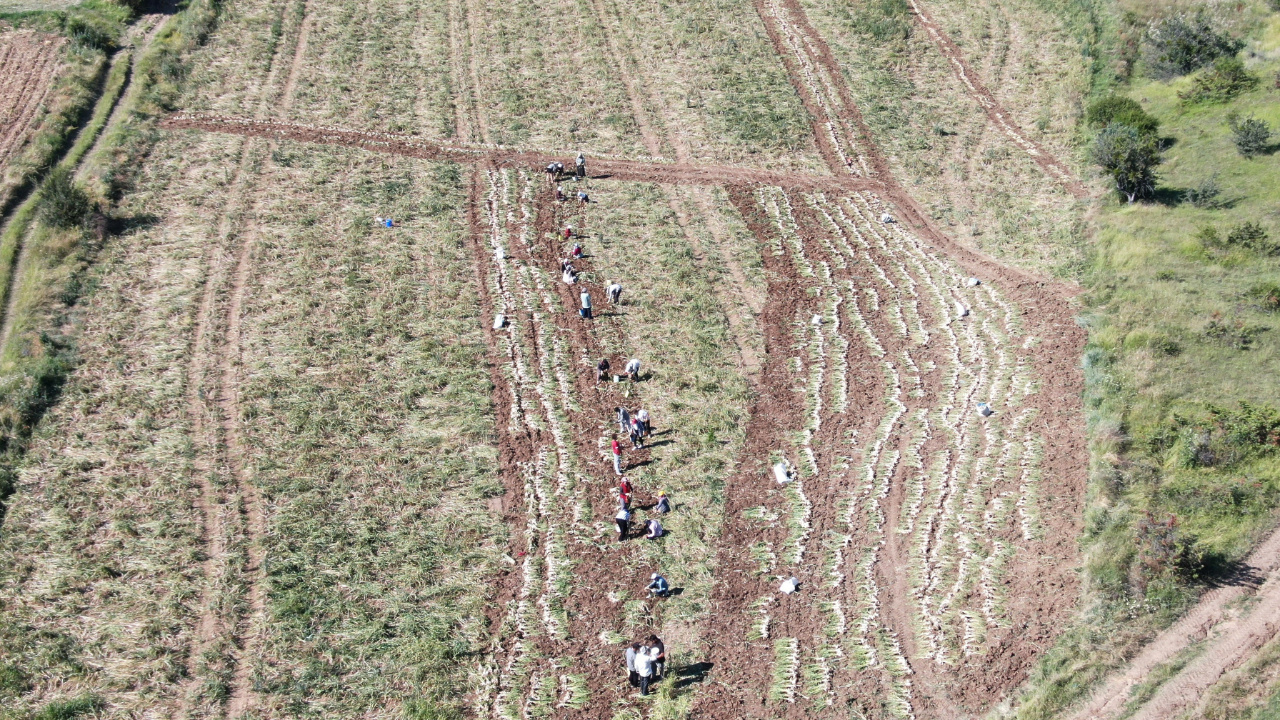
(617, 457)
(624, 492)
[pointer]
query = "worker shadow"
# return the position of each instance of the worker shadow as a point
(660, 443)
(635, 465)
(687, 675)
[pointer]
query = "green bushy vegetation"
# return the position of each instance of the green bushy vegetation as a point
(1223, 80)
(1182, 43)
(1121, 110)
(1181, 372)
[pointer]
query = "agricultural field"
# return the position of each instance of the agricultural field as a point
(300, 416)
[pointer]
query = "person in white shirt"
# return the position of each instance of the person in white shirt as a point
(655, 530)
(643, 416)
(633, 369)
(614, 292)
(623, 519)
(585, 312)
(644, 668)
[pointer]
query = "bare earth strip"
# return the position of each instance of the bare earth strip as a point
(615, 168)
(1236, 641)
(1051, 165)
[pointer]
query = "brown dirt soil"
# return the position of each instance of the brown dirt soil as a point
(600, 167)
(1235, 639)
(1051, 165)
(31, 61)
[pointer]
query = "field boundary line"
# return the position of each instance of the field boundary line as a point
(1204, 618)
(1052, 167)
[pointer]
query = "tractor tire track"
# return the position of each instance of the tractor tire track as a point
(1211, 614)
(622, 58)
(1052, 167)
(1238, 641)
(219, 426)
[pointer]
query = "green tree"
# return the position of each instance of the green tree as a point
(1252, 136)
(1130, 158)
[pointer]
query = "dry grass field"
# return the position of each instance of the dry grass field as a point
(323, 435)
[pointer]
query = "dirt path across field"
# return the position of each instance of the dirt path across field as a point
(599, 166)
(1053, 167)
(1232, 639)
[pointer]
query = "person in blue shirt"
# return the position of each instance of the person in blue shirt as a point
(658, 586)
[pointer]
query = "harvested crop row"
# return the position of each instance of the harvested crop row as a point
(891, 350)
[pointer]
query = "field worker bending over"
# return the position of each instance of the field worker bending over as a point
(585, 312)
(560, 194)
(637, 439)
(664, 505)
(623, 519)
(569, 275)
(576, 253)
(583, 198)
(632, 676)
(655, 530)
(658, 586)
(580, 167)
(632, 369)
(554, 170)
(602, 370)
(614, 292)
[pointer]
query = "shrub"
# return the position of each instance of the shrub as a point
(1268, 295)
(62, 203)
(1251, 135)
(1130, 158)
(1225, 80)
(1122, 110)
(1205, 193)
(1251, 235)
(1179, 44)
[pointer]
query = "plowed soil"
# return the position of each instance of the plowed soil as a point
(30, 61)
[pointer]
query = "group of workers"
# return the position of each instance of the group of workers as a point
(555, 171)
(645, 662)
(653, 526)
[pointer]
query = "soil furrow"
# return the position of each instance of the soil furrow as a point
(30, 66)
(603, 167)
(1052, 167)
